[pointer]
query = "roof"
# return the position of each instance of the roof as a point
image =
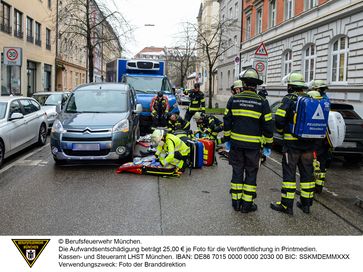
(45, 93)
(152, 51)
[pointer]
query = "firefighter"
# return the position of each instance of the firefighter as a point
(170, 149)
(248, 125)
(209, 125)
(323, 147)
(236, 88)
(297, 152)
(197, 102)
(159, 108)
(176, 122)
(263, 92)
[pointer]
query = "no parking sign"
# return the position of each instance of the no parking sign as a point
(12, 56)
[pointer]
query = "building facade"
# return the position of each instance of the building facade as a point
(320, 38)
(27, 32)
(228, 68)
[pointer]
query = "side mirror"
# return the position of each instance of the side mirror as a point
(16, 116)
(138, 108)
(58, 108)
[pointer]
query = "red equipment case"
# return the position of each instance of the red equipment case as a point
(209, 152)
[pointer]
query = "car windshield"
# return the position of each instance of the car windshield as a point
(2, 110)
(149, 84)
(49, 99)
(97, 101)
(348, 114)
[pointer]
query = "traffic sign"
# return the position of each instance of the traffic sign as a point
(260, 66)
(236, 60)
(12, 56)
(261, 50)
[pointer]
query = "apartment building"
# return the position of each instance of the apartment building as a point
(27, 45)
(320, 38)
(228, 68)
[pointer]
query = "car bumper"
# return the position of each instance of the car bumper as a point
(110, 147)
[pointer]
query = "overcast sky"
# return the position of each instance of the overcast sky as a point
(166, 15)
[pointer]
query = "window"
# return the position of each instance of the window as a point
(287, 62)
(47, 39)
(47, 78)
(27, 106)
(49, 4)
(230, 13)
(18, 24)
(29, 30)
(15, 108)
(5, 18)
(259, 21)
(248, 27)
(272, 15)
(38, 34)
(339, 60)
(228, 77)
(310, 4)
(289, 9)
(309, 62)
(236, 9)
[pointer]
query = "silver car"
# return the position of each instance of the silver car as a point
(49, 102)
(22, 123)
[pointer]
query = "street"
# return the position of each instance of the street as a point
(39, 198)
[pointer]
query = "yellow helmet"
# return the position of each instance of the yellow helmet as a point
(296, 79)
(157, 136)
(198, 115)
(237, 84)
(317, 84)
(250, 77)
(314, 94)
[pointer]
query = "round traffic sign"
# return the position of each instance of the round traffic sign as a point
(260, 66)
(12, 54)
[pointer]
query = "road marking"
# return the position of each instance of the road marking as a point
(324, 188)
(22, 159)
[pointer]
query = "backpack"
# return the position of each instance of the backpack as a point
(311, 118)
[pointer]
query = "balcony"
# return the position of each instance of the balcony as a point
(30, 39)
(38, 42)
(19, 34)
(5, 28)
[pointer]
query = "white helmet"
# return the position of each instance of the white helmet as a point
(157, 136)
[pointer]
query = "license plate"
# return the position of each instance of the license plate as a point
(349, 144)
(86, 147)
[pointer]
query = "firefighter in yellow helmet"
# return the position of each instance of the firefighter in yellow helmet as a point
(170, 149)
(297, 152)
(248, 127)
(237, 87)
(323, 147)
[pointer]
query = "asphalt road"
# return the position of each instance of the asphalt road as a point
(39, 198)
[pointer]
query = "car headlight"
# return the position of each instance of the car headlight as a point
(122, 126)
(58, 127)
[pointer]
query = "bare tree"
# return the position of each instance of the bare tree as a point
(181, 58)
(91, 25)
(212, 43)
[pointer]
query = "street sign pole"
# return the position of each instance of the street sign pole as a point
(260, 61)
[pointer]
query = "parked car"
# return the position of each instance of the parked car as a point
(100, 121)
(352, 148)
(49, 101)
(22, 123)
(182, 98)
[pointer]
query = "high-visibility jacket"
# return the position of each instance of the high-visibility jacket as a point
(284, 119)
(211, 125)
(159, 107)
(179, 124)
(172, 151)
(248, 121)
(197, 101)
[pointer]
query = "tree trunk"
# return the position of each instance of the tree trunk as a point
(210, 79)
(90, 64)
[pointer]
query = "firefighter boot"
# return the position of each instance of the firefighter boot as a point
(236, 204)
(302, 206)
(278, 206)
(318, 189)
(247, 207)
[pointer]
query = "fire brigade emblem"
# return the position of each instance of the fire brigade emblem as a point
(30, 249)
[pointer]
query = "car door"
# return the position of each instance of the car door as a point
(31, 117)
(17, 130)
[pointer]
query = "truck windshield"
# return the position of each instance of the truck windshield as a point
(150, 84)
(97, 101)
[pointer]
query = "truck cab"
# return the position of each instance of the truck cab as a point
(146, 77)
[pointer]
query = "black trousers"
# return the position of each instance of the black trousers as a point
(245, 164)
(303, 160)
(189, 115)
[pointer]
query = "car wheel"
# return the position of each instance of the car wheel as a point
(42, 138)
(2, 154)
